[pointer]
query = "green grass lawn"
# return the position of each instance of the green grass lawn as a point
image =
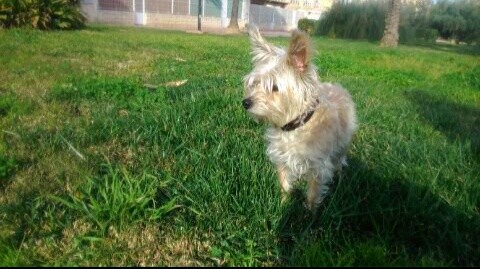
(101, 163)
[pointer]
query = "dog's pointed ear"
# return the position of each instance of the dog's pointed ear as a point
(261, 49)
(299, 51)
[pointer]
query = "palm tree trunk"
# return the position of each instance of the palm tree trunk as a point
(233, 26)
(390, 35)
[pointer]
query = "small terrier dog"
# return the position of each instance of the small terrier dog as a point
(311, 123)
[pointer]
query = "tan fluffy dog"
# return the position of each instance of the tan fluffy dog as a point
(311, 123)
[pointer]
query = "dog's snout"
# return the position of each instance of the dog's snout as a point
(247, 103)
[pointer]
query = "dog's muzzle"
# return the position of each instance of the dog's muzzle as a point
(247, 103)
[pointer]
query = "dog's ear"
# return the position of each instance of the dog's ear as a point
(299, 51)
(261, 49)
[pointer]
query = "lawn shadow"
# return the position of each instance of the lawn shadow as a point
(460, 49)
(407, 221)
(21, 214)
(456, 121)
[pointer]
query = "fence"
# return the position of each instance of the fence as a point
(183, 14)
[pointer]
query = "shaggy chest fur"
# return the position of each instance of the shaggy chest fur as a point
(299, 150)
(313, 145)
(283, 149)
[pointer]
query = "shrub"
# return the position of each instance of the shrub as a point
(41, 14)
(354, 20)
(366, 20)
(415, 25)
(307, 25)
(457, 20)
(427, 34)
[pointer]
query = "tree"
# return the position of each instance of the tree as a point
(390, 35)
(457, 20)
(233, 26)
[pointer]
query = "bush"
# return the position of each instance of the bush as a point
(357, 20)
(427, 34)
(307, 25)
(41, 14)
(406, 33)
(415, 24)
(457, 20)
(366, 20)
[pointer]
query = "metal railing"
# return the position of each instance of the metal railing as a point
(184, 14)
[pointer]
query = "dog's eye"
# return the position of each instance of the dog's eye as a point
(274, 88)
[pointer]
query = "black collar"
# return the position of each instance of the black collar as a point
(298, 121)
(302, 119)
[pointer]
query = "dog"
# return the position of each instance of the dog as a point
(311, 124)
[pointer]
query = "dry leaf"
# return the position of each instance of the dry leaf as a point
(151, 87)
(123, 112)
(176, 83)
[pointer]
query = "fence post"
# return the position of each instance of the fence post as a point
(246, 11)
(96, 9)
(224, 13)
(140, 16)
(272, 25)
(172, 7)
(199, 15)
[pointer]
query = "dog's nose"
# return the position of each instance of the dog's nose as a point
(247, 103)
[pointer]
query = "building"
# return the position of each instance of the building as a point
(317, 5)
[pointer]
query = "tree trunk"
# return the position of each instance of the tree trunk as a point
(233, 26)
(390, 35)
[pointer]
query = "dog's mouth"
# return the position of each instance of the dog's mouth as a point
(247, 104)
(257, 118)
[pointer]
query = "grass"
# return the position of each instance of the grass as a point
(101, 163)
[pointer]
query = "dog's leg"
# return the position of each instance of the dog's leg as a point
(318, 187)
(342, 161)
(313, 193)
(284, 179)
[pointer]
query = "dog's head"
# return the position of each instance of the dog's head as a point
(281, 82)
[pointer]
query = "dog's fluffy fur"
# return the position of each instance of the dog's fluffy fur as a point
(284, 85)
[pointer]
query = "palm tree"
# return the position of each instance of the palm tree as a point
(390, 35)
(233, 26)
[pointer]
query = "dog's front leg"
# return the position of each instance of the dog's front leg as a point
(318, 188)
(285, 181)
(313, 192)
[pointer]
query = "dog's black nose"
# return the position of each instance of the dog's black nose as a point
(247, 103)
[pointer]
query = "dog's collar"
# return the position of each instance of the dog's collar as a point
(300, 120)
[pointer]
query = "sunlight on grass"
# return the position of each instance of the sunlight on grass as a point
(103, 162)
